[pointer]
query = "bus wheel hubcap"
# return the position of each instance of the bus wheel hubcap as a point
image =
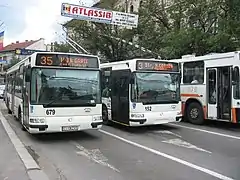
(194, 113)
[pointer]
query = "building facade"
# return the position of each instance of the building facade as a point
(19, 50)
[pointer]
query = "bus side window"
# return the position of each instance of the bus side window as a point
(212, 98)
(193, 72)
(106, 87)
(124, 86)
(236, 83)
(28, 75)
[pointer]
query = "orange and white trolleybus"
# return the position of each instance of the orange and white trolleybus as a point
(210, 87)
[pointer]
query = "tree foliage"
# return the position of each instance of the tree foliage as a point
(14, 60)
(171, 30)
(62, 47)
(189, 26)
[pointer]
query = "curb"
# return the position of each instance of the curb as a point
(33, 170)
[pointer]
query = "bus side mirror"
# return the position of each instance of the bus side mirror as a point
(24, 90)
(28, 75)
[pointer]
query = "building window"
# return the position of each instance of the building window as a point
(131, 8)
(193, 72)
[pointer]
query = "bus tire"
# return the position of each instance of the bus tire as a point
(195, 113)
(20, 119)
(105, 115)
(9, 111)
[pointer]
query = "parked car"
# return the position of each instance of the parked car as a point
(2, 91)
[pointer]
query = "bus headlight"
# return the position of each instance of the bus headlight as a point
(108, 105)
(97, 118)
(37, 120)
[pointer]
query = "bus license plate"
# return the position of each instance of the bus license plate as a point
(70, 128)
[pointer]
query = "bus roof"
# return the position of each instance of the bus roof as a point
(208, 57)
(130, 61)
(26, 60)
(132, 64)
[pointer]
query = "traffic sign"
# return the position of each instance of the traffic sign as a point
(19, 51)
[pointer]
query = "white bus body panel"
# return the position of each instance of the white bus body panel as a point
(66, 116)
(159, 114)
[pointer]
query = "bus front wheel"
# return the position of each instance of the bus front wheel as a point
(195, 113)
(105, 115)
(21, 119)
(9, 111)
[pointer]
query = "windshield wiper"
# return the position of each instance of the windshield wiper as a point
(51, 102)
(58, 98)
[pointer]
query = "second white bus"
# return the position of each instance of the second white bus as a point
(141, 92)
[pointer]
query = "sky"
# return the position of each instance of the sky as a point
(33, 19)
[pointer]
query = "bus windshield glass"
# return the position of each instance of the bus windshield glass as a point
(2, 81)
(63, 87)
(153, 88)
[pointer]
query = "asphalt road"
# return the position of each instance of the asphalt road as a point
(168, 152)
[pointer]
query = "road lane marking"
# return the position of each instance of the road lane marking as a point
(210, 132)
(181, 143)
(199, 168)
(166, 132)
(95, 155)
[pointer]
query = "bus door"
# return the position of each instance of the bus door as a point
(224, 85)
(212, 92)
(120, 80)
(219, 93)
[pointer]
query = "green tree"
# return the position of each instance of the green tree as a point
(171, 30)
(189, 26)
(14, 60)
(62, 47)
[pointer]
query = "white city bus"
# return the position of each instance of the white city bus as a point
(210, 87)
(141, 92)
(55, 92)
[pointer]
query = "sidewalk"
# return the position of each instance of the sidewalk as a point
(11, 166)
(15, 161)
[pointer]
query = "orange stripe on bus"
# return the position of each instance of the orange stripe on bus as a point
(190, 95)
(234, 116)
(183, 108)
(205, 112)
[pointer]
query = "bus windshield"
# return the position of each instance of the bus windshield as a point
(63, 87)
(2, 81)
(154, 88)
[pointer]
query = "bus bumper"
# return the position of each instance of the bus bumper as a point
(39, 129)
(154, 119)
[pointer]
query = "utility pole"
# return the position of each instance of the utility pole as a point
(1, 24)
(126, 6)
